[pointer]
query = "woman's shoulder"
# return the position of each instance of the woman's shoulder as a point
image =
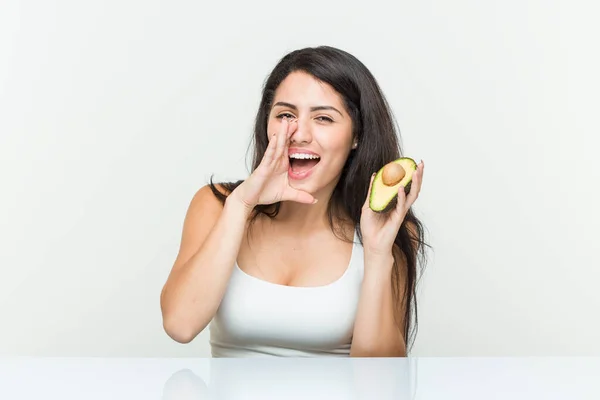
(203, 212)
(212, 196)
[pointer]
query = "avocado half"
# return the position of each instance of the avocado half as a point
(384, 190)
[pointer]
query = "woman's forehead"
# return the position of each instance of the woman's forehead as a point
(304, 90)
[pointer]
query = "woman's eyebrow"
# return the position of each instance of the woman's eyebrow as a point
(316, 108)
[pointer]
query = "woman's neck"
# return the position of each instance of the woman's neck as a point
(305, 219)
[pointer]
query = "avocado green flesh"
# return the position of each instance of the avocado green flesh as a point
(383, 197)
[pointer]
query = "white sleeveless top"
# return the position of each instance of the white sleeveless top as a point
(259, 318)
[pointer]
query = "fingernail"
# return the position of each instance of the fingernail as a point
(315, 201)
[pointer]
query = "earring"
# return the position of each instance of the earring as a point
(354, 145)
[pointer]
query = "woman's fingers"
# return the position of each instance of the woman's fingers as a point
(366, 203)
(415, 187)
(406, 201)
(299, 196)
(269, 155)
(281, 139)
(401, 200)
(290, 129)
(277, 147)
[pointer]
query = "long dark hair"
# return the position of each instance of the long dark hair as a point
(378, 143)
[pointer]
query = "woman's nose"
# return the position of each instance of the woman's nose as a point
(302, 133)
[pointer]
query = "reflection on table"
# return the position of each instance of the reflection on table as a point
(310, 378)
(296, 379)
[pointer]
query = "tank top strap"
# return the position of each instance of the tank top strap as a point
(357, 256)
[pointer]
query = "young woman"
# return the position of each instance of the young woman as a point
(292, 261)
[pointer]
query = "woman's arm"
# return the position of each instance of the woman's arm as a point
(376, 333)
(210, 242)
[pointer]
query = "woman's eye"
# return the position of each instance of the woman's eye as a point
(286, 115)
(291, 116)
(324, 119)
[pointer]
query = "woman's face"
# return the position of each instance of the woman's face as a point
(323, 128)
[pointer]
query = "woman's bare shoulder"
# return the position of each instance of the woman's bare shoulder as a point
(202, 214)
(207, 197)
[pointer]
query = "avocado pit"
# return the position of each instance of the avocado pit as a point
(392, 174)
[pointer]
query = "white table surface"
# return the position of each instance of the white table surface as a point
(278, 378)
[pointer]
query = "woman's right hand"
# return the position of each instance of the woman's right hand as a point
(269, 183)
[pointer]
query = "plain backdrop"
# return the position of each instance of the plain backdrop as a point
(114, 113)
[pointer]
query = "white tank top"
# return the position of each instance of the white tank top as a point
(259, 318)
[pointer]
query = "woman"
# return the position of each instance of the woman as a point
(292, 261)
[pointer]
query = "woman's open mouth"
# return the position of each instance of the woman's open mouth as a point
(302, 165)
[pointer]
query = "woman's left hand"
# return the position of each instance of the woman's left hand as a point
(379, 230)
